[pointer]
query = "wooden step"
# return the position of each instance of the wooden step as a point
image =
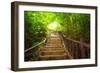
(57, 52)
(53, 50)
(54, 42)
(54, 45)
(53, 57)
(54, 39)
(50, 49)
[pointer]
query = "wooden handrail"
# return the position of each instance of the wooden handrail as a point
(84, 44)
(35, 45)
(76, 48)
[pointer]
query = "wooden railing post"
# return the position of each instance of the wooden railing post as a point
(82, 48)
(76, 48)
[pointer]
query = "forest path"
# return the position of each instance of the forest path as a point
(54, 49)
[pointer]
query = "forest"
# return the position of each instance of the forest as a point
(38, 25)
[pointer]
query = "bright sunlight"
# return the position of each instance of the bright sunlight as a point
(52, 26)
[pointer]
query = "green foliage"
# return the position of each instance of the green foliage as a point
(36, 26)
(73, 25)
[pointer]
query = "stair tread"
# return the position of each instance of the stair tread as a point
(53, 55)
(51, 48)
(54, 46)
(53, 51)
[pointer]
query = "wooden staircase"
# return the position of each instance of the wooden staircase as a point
(54, 49)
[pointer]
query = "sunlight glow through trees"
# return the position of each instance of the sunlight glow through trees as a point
(73, 25)
(52, 26)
